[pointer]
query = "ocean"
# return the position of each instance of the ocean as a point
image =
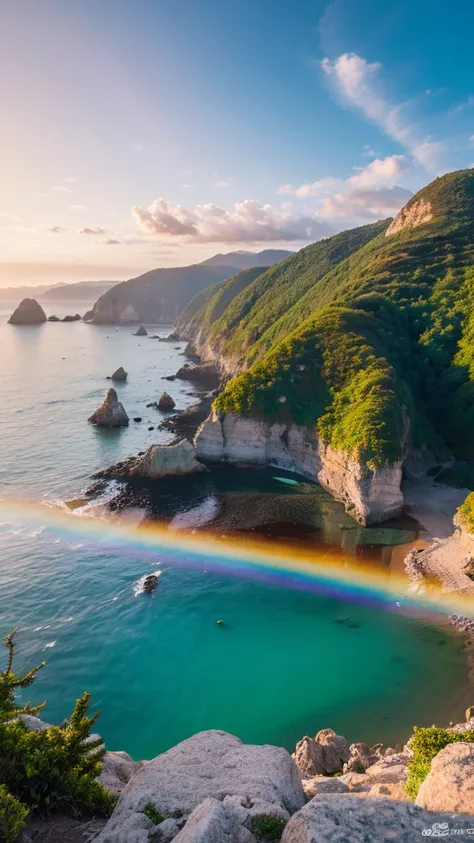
(284, 663)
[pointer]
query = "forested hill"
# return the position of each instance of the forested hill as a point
(377, 352)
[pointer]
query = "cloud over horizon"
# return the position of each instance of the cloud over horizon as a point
(248, 221)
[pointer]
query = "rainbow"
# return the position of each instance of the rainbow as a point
(320, 571)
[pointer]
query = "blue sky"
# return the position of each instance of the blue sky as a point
(158, 132)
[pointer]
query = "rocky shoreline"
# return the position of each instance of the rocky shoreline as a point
(213, 788)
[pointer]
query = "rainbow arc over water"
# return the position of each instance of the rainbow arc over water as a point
(319, 571)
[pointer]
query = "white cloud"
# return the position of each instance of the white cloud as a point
(56, 229)
(248, 221)
(358, 84)
(70, 179)
(315, 188)
(376, 201)
(468, 103)
(59, 188)
(78, 208)
(111, 241)
(381, 171)
(221, 184)
(93, 231)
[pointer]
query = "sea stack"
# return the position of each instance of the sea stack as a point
(28, 312)
(111, 413)
(119, 375)
(166, 402)
(142, 332)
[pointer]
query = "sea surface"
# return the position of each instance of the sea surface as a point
(283, 664)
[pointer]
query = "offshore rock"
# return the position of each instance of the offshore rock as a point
(211, 764)
(111, 413)
(344, 818)
(142, 332)
(369, 495)
(28, 312)
(119, 375)
(166, 402)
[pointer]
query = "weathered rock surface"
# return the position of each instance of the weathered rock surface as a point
(369, 495)
(206, 374)
(168, 461)
(390, 769)
(119, 375)
(210, 764)
(362, 756)
(325, 754)
(216, 822)
(411, 216)
(117, 771)
(111, 413)
(166, 402)
(449, 786)
(28, 312)
(142, 332)
(323, 784)
(350, 819)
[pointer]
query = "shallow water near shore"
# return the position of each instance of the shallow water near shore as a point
(283, 664)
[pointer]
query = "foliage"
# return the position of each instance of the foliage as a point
(13, 816)
(55, 768)
(410, 358)
(156, 817)
(267, 828)
(466, 513)
(425, 743)
(10, 684)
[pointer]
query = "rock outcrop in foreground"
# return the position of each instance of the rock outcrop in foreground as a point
(216, 769)
(369, 495)
(28, 312)
(111, 413)
(345, 819)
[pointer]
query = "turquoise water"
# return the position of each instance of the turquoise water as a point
(283, 664)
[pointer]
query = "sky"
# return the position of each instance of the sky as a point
(144, 133)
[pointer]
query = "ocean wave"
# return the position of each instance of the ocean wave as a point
(201, 514)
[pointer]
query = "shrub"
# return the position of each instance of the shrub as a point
(267, 828)
(55, 768)
(466, 513)
(12, 816)
(10, 683)
(426, 743)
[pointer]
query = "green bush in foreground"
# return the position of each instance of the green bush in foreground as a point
(267, 828)
(54, 769)
(426, 743)
(12, 816)
(156, 816)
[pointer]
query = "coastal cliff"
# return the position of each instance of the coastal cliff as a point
(369, 495)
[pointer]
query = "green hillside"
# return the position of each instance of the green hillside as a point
(276, 290)
(385, 337)
(205, 308)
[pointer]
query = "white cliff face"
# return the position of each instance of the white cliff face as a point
(412, 215)
(369, 495)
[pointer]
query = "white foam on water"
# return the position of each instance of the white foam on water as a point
(50, 645)
(201, 514)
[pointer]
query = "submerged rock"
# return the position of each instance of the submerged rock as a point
(28, 312)
(150, 583)
(111, 413)
(119, 375)
(142, 332)
(166, 402)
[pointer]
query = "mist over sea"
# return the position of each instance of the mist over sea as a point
(283, 665)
